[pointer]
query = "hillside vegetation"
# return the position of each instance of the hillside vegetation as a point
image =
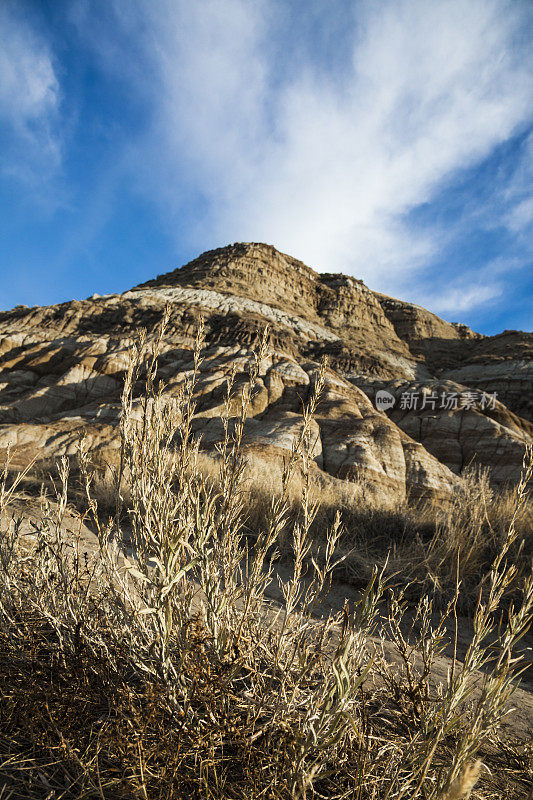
(165, 670)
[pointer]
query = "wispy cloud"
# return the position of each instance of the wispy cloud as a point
(319, 127)
(464, 296)
(29, 97)
(517, 194)
(329, 166)
(521, 215)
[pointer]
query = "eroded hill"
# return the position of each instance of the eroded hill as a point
(62, 368)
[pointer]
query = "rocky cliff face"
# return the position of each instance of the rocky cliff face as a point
(62, 366)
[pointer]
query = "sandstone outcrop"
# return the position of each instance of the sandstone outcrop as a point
(491, 437)
(62, 367)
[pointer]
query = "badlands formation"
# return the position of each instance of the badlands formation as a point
(62, 369)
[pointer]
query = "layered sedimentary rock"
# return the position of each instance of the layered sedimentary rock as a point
(457, 426)
(62, 367)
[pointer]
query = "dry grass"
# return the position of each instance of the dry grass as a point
(168, 675)
(425, 546)
(430, 547)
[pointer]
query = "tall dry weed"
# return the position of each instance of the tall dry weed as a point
(164, 671)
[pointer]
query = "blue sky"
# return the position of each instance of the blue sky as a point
(387, 139)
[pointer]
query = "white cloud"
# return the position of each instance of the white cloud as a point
(521, 215)
(29, 97)
(249, 143)
(468, 289)
(517, 196)
(464, 297)
(327, 167)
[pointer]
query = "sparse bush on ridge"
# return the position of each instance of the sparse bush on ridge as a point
(168, 674)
